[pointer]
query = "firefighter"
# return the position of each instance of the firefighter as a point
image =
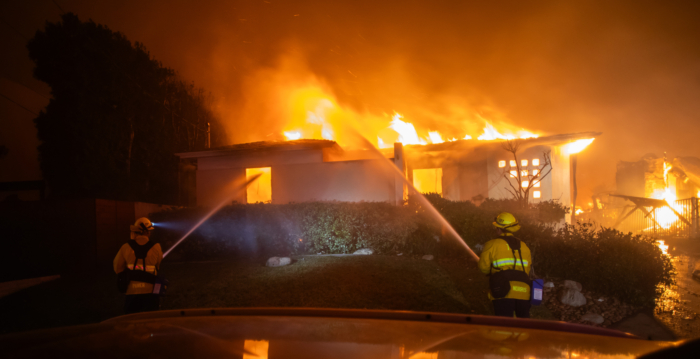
(508, 263)
(136, 265)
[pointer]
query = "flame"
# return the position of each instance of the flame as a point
(665, 216)
(315, 114)
(490, 133)
(292, 135)
(407, 133)
(435, 137)
(576, 146)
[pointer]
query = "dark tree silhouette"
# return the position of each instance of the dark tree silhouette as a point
(117, 116)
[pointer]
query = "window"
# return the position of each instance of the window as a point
(537, 184)
(535, 172)
(523, 163)
(260, 190)
(428, 180)
(537, 194)
(512, 163)
(514, 174)
(501, 164)
(536, 162)
(525, 184)
(523, 173)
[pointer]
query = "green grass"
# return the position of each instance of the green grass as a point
(371, 282)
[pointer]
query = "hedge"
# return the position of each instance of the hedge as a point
(605, 260)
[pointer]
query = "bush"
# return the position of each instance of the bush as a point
(603, 260)
(629, 267)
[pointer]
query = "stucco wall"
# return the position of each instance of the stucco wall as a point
(365, 180)
(212, 186)
(498, 185)
(297, 176)
(561, 178)
(473, 179)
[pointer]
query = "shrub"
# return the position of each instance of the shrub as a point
(629, 267)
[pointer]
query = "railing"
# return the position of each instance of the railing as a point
(657, 222)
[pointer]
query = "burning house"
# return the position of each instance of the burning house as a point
(320, 170)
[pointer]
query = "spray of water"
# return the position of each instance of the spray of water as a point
(423, 201)
(226, 200)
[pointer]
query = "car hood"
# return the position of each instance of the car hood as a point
(324, 333)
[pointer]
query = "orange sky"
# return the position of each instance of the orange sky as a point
(629, 69)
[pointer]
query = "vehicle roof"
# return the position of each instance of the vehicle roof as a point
(299, 332)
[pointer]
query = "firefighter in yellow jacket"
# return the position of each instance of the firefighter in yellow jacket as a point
(508, 263)
(141, 259)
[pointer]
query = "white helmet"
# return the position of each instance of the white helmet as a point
(141, 226)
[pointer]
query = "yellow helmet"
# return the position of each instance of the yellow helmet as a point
(507, 222)
(141, 226)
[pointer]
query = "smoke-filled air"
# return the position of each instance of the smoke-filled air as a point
(432, 71)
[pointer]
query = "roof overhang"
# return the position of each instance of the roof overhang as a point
(462, 145)
(263, 147)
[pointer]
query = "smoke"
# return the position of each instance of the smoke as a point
(629, 69)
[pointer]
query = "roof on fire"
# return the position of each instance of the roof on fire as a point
(309, 144)
(263, 146)
(553, 140)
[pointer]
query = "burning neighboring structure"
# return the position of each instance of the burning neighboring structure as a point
(654, 195)
(320, 170)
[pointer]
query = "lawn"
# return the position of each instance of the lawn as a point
(371, 282)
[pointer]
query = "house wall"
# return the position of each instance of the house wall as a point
(560, 181)
(365, 180)
(473, 179)
(214, 186)
(298, 176)
(498, 184)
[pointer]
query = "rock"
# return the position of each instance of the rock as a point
(593, 318)
(549, 285)
(572, 298)
(428, 257)
(364, 251)
(573, 285)
(400, 254)
(278, 261)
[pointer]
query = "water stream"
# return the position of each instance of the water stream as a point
(423, 201)
(227, 199)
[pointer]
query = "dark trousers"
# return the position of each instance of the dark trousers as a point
(136, 303)
(505, 307)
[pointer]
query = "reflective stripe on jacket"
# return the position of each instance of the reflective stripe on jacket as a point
(125, 259)
(497, 255)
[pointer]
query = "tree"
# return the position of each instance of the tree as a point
(525, 180)
(117, 116)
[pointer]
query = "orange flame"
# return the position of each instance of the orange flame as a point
(316, 115)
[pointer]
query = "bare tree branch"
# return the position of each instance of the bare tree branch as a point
(520, 191)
